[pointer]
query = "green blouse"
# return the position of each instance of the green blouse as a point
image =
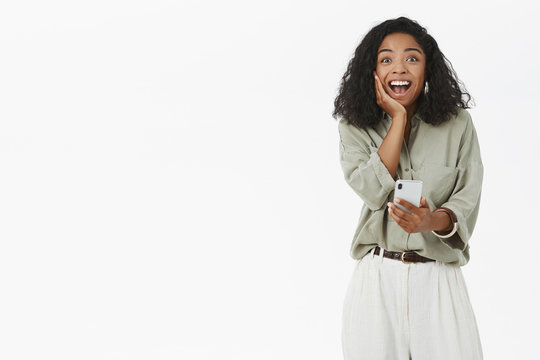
(445, 157)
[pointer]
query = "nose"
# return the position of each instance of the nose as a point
(399, 68)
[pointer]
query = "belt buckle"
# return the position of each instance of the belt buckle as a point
(402, 257)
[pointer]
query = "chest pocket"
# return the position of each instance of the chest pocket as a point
(439, 181)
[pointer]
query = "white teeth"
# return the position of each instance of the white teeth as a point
(399, 83)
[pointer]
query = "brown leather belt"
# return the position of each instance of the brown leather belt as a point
(407, 257)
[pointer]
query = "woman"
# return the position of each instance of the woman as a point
(403, 116)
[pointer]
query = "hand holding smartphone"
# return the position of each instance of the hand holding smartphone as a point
(408, 190)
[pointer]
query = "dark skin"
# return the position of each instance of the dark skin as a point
(401, 57)
(421, 219)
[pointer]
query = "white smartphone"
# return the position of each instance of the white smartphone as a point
(408, 190)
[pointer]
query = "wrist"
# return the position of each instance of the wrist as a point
(401, 116)
(441, 222)
(453, 220)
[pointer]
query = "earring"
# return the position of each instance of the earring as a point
(426, 88)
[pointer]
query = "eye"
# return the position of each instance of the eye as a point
(412, 58)
(384, 60)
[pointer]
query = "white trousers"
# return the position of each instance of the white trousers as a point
(398, 311)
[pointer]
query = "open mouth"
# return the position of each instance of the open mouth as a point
(399, 88)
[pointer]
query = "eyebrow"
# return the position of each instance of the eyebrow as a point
(407, 49)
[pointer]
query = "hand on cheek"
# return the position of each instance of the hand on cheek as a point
(386, 102)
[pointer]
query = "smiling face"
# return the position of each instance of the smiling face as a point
(401, 63)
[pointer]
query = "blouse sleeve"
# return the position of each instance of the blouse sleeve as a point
(464, 200)
(362, 167)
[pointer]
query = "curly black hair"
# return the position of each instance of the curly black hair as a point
(357, 102)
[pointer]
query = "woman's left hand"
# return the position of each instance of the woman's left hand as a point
(418, 221)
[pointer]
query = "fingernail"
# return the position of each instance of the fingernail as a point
(397, 200)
